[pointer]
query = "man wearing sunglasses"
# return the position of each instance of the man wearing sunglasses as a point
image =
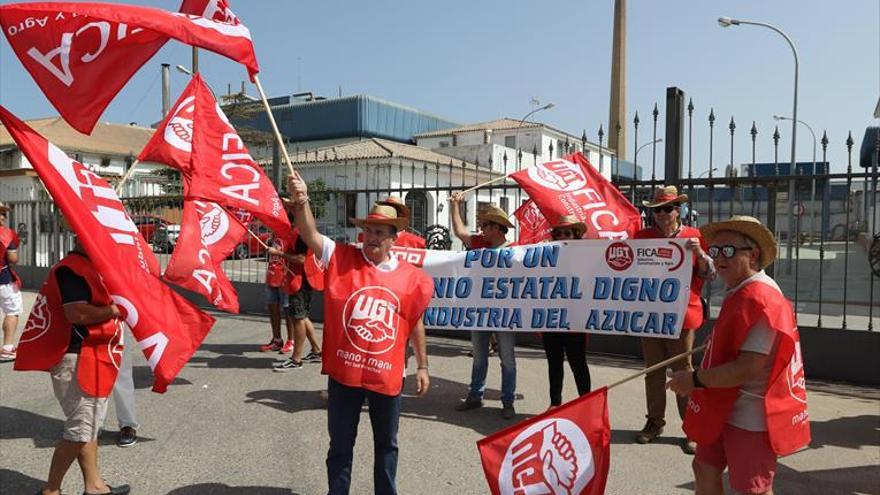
(748, 399)
(665, 213)
(10, 295)
(493, 224)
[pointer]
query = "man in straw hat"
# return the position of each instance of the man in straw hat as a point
(493, 224)
(373, 305)
(405, 238)
(748, 399)
(665, 213)
(558, 345)
(10, 295)
(75, 333)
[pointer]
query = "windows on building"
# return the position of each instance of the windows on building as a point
(510, 142)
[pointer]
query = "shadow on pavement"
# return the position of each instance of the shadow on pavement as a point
(221, 489)
(237, 356)
(143, 378)
(15, 482)
(438, 405)
(43, 430)
(628, 437)
(853, 432)
(844, 481)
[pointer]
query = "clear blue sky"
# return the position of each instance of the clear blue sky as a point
(479, 60)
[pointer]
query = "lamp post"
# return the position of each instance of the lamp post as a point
(727, 22)
(523, 120)
(713, 169)
(660, 140)
(813, 173)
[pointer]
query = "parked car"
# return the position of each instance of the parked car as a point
(165, 238)
(250, 247)
(334, 231)
(148, 226)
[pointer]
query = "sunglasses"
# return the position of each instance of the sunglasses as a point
(666, 208)
(727, 251)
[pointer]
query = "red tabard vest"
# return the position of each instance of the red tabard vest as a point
(46, 334)
(8, 237)
(408, 239)
(693, 317)
(275, 267)
(368, 316)
(785, 401)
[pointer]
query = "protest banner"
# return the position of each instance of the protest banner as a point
(632, 287)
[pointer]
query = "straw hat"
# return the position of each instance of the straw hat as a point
(570, 222)
(397, 204)
(381, 215)
(494, 214)
(750, 227)
(4, 206)
(666, 195)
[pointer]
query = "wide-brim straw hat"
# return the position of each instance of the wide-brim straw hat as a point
(570, 222)
(750, 227)
(666, 195)
(494, 214)
(4, 206)
(397, 204)
(381, 215)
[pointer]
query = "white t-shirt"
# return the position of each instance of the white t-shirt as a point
(748, 410)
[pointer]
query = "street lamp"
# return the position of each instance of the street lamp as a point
(183, 70)
(713, 169)
(727, 22)
(636, 157)
(523, 120)
(813, 173)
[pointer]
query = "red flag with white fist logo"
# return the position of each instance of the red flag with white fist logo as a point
(82, 53)
(167, 327)
(565, 450)
(533, 226)
(571, 186)
(208, 234)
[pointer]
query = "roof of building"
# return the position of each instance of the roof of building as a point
(372, 148)
(361, 116)
(106, 139)
(495, 125)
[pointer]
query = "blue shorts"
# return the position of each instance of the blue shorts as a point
(276, 295)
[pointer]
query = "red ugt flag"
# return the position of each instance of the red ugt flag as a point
(222, 168)
(82, 54)
(571, 186)
(533, 226)
(167, 327)
(565, 450)
(208, 234)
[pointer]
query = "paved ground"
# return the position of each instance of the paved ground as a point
(229, 425)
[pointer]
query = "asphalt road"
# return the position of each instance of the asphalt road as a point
(229, 425)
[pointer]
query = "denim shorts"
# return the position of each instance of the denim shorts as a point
(276, 295)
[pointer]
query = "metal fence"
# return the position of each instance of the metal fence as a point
(826, 223)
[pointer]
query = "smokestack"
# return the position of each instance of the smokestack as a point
(228, 89)
(242, 89)
(166, 89)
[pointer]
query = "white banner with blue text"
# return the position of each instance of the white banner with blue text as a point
(631, 287)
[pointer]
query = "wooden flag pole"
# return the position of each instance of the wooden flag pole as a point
(492, 181)
(660, 365)
(274, 125)
(245, 227)
(125, 177)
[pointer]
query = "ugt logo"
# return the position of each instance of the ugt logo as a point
(619, 256)
(370, 319)
(552, 456)
(179, 131)
(559, 175)
(213, 220)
